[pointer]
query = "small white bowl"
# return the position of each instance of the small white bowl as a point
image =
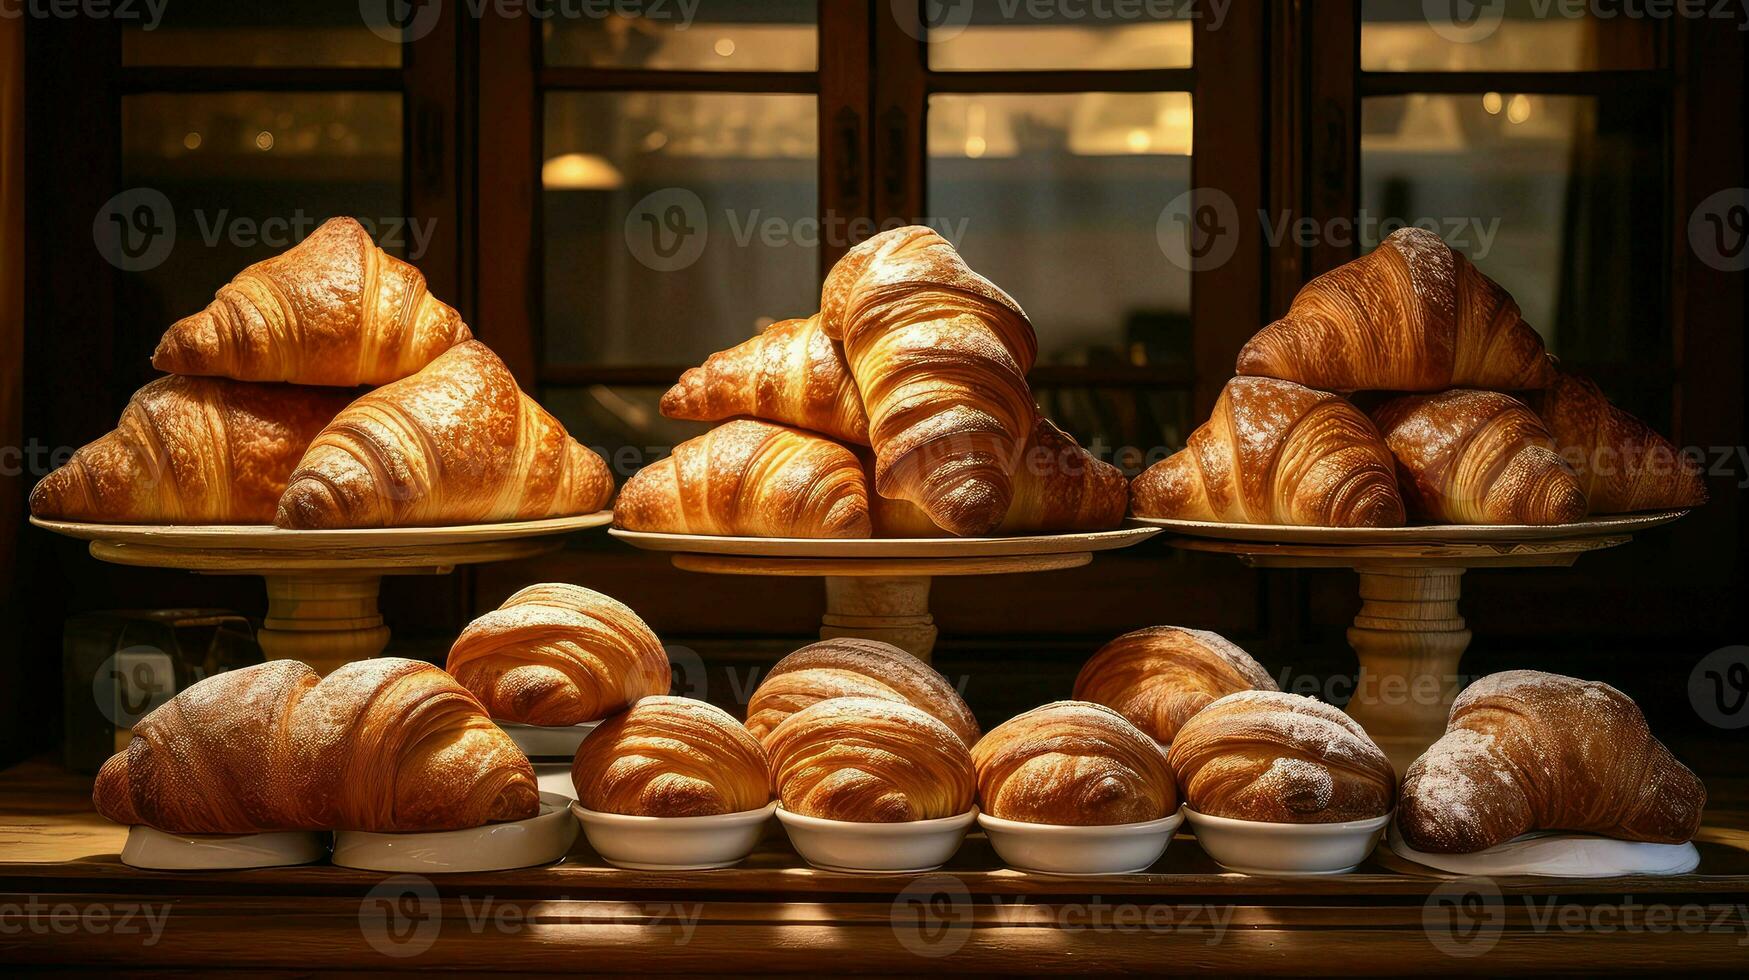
(856, 846)
(548, 741)
(541, 839)
(1256, 847)
(1065, 849)
(159, 850)
(673, 843)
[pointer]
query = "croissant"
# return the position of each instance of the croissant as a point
(1158, 677)
(671, 757)
(1280, 758)
(332, 310)
(1073, 762)
(753, 478)
(559, 654)
(1412, 315)
(377, 745)
(1622, 463)
(940, 356)
(1525, 750)
(1275, 452)
(191, 451)
(870, 761)
(791, 373)
(1478, 457)
(844, 668)
(457, 443)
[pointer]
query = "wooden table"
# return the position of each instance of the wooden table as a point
(65, 900)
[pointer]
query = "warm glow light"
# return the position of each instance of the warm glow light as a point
(191, 141)
(580, 172)
(1518, 110)
(724, 47)
(1492, 102)
(655, 140)
(1139, 141)
(264, 140)
(974, 146)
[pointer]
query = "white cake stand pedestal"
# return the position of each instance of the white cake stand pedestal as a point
(878, 588)
(1408, 635)
(322, 586)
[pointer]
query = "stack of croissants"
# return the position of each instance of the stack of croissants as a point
(858, 730)
(261, 419)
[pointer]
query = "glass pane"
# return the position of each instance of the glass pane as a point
(1502, 35)
(1006, 35)
(355, 33)
(1558, 198)
(239, 176)
(676, 224)
(1129, 427)
(621, 422)
(1058, 200)
(687, 35)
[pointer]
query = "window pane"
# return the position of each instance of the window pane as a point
(239, 176)
(1558, 198)
(271, 32)
(1129, 427)
(700, 35)
(1057, 199)
(1006, 35)
(1501, 35)
(676, 224)
(622, 422)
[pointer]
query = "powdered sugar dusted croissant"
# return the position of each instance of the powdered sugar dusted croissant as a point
(845, 668)
(1622, 463)
(670, 757)
(1526, 750)
(1281, 758)
(1158, 677)
(870, 761)
(1073, 762)
(558, 654)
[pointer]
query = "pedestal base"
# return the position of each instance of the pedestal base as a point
(894, 610)
(1408, 638)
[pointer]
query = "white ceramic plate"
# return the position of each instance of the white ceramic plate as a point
(548, 741)
(1560, 855)
(897, 848)
(1256, 847)
(1062, 849)
(541, 839)
(1029, 544)
(1414, 534)
(160, 850)
(673, 843)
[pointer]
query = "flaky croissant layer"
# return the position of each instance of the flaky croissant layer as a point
(1159, 677)
(869, 761)
(1074, 763)
(671, 757)
(846, 667)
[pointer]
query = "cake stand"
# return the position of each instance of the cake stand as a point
(322, 586)
(1408, 635)
(878, 588)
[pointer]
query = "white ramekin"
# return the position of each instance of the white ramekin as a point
(1065, 849)
(548, 741)
(1256, 847)
(541, 839)
(846, 845)
(673, 843)
(160, 850)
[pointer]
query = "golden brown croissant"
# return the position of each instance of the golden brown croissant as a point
(753, 478)
(1073, 762)
(1280, 758)
(559, 654)
(1622, 463)
(671, 757)
(377, 745)
(940, 356)
(457, 443)
(1478, 457)
(845, 668)
(870, 761)
(1158, 677)
(191, 451)
(333, 310)
(791, 373)
(1412, 315)
(1275, 452)
(1525, 750)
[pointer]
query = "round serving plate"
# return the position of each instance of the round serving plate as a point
(159, 850)
(1617, 524)
(266, 537)
(541, 839)
(876, 548)
(1559, 855)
